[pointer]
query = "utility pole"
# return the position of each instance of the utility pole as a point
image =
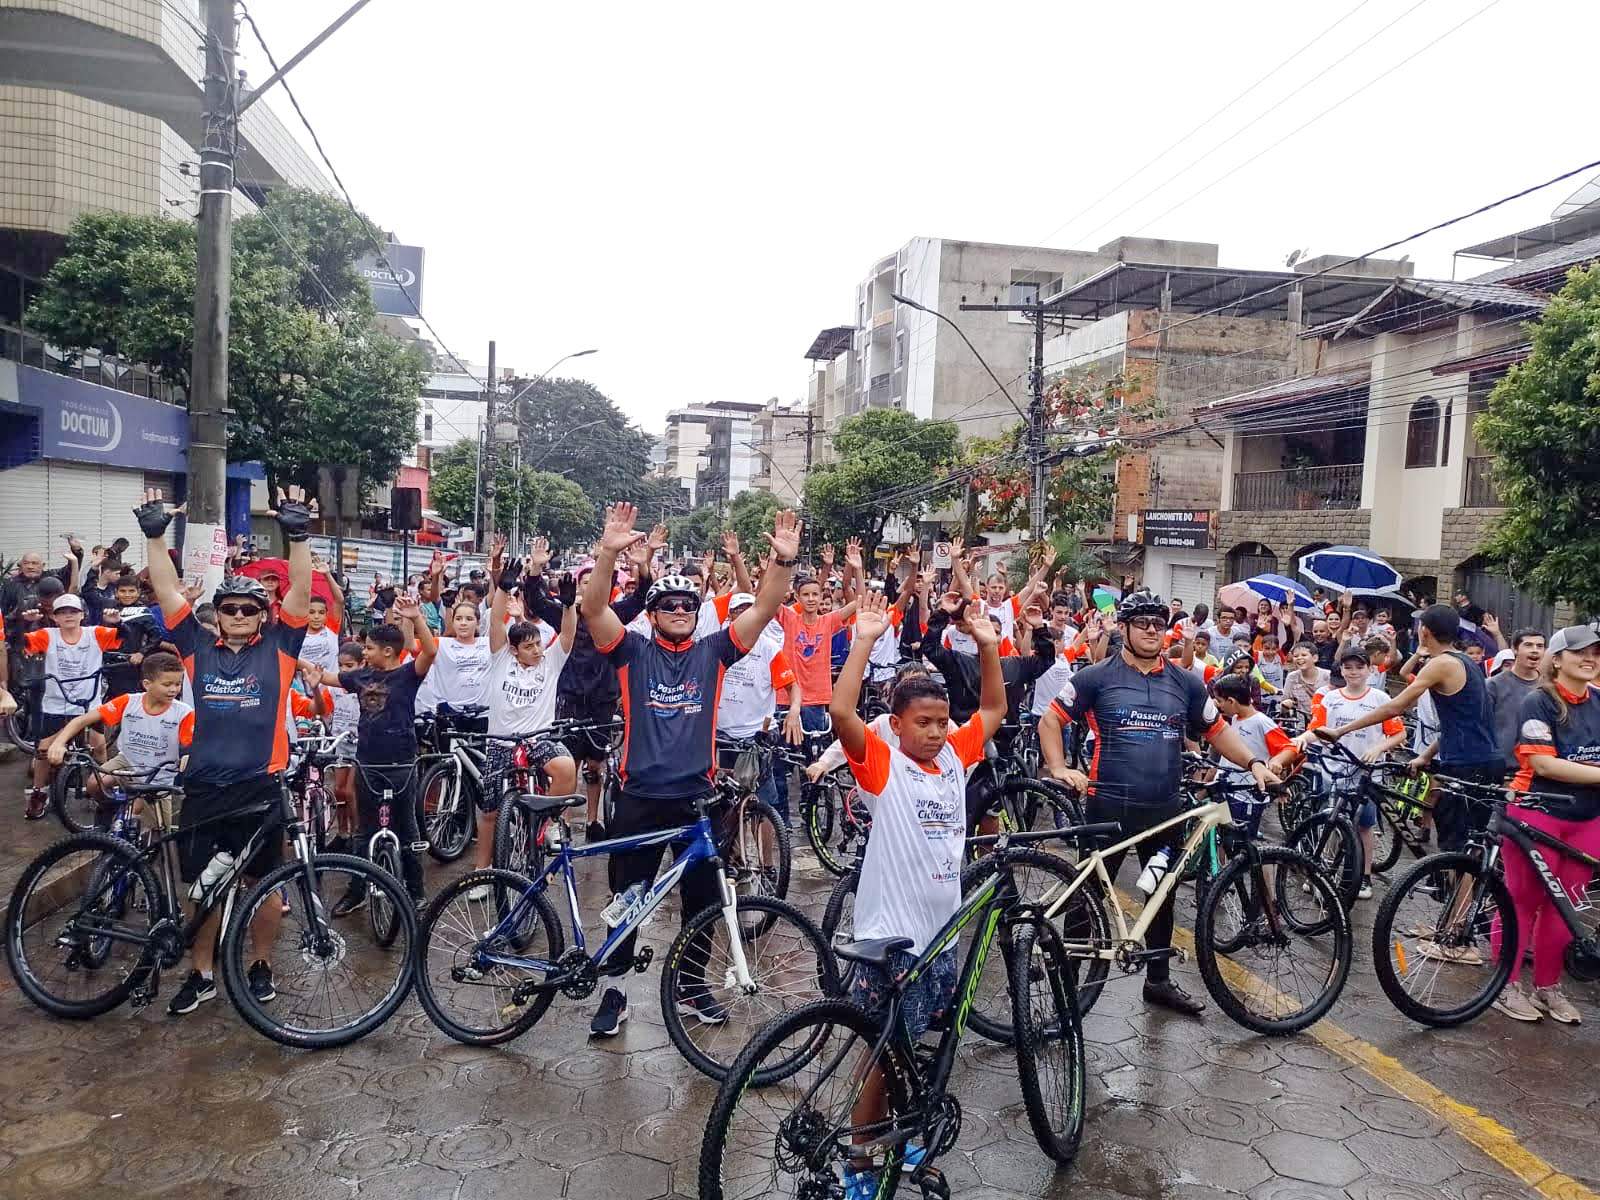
(1035, 417)
(208, 376)
(491, 454)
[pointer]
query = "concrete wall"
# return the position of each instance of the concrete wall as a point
(1285, 533)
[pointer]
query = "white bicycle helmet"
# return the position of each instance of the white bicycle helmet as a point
(671, 585)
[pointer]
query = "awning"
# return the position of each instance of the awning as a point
(1288, 393)
(1488, 361)
(1235, 292)
(831, 343)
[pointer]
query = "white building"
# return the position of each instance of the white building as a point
(711, 449)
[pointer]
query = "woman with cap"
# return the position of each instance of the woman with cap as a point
(1558, 750)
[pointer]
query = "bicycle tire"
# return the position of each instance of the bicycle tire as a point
(1386, 844)
(69, 797)
(236, 961)
(1061, 801)
(833, 913)
(826, 826)
(1405, 894)
(430, 948)
(761, 938)
(725, 1143)
(382, 919)
(1335, 925)
(1329, 839)
(449, 822)
(1053, 1017)
(102, 846)
(19, 722)
(758, 813)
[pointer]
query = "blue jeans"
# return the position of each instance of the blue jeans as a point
(813, 719)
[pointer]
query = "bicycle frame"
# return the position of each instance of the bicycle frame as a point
(1524, 836)
(701, 849)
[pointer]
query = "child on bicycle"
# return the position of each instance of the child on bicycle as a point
(1264, 739)
(73, 659)
(915, 786)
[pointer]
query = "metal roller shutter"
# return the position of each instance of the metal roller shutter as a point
(75, 506)
(120, 493)
(1194, 585)
(24, 502)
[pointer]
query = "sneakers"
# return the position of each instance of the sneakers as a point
(594, 832)
(613, 1012)
(1364, 892)
(260, 978)
(1515, 1003)
(698, 1002)
(1557, 1007)
(860, 1185)
(1168, 994)
(1467, 956)
(479, 893)
(38, 804)
(353, 900)
(196, 990)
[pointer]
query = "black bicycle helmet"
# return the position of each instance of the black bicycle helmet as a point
(1141, 603)
(242, 587)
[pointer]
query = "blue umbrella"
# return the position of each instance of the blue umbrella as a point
(1280, 588)
(1349, 569)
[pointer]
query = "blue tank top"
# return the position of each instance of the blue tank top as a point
(1466, 721)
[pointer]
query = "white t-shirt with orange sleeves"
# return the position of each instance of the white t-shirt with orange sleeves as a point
(1333, 708)
(77, 662)
(151, 742)
(911, 876)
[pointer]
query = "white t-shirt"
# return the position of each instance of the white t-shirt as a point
(459, 674)
(1068, 659)
(346, 714)
(73, 664)
(750, 689)
(1262, 737)
(522, 700)
(322, 648)
(1333, 708)
(152, 742)
(911, 875)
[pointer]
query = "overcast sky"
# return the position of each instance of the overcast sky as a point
(696, 189)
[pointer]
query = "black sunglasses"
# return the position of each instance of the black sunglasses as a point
(678, 604)
(1146, 623)
(239, 610)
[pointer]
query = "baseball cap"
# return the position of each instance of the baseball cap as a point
(1573, 637)
(1353, 650)
(739, 600)
(68, 600)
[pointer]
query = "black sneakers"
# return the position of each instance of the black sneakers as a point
(353, 900)
(595, 832)
(196, 990)
(613, 1012)
(1168, 994)
(260, 977)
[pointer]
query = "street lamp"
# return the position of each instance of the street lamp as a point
(923, 308)
(539, 378)
(516, 527)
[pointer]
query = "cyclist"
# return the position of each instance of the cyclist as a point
(73, 654)
(386, 689)
(241, 681)
(522, 687)
(1261, 734)
(1558, 746)
(1140, 710)
(670, 682)
(911, 874)
(1466, 748)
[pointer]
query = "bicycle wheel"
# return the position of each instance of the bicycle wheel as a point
(383, 919)
(1032, 797)
(759, 851)
(1437, 943)
(839, 916)
(1040, 877)
(78, 925)
(333, 985)
(798, 1136)
(445, 812)
(1386, 843)
(472, 1000)
(1329, 840)
(1278, 964)
(708, 1015)
(69, 797)
(19, 724)
(1049, 1039)
(836, 823)
(513, 839)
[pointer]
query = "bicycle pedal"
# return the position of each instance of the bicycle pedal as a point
(642, 960)
(932, 1183)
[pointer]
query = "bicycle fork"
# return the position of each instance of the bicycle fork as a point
(730, 915)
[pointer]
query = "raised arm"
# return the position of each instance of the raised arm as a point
(410, 608)
(785, 542)
(567, 591)
(535, 596)
(595, 606)
(294, 521)
(154, 516)
(960, 581)
(992, 682)
(871, 620)
(499, 601)
(741, 571)
(854, 568)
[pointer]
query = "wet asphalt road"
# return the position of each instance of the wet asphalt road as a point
(139, 1105)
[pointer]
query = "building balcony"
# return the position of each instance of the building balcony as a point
(879, 390)
(881, 320)
(1478, 489)
(1301, 488)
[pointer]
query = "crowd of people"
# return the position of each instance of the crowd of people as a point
(696, 657)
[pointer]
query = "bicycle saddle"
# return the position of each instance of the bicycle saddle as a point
(543, 806)
(872, 952)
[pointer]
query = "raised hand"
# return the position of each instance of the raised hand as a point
(657, 540)
(408, 606)
(295, 514)
(983, 630)
(538, 556)
(154, 515)
(827, 554)
(730, 544)
(785, 536)
(510, 575)
(953, 602)
(619, 532)
(567, 591)
(957, 548)
(872, 616)
(640, 553)
(436, 565)
(852, 553)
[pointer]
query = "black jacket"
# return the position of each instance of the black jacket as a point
(588, 675)
(962, 676)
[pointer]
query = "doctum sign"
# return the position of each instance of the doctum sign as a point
(83, 422)
(395, 279)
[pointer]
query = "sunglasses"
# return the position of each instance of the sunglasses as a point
(678, 604)
(239, 610)
(1147, 623)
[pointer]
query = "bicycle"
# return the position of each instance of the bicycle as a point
(519, 836)
(754, 841)
(799, 1133)
(490, 969)
(94, 893)
(314, 800)
(449, 789)
(1246, 920)
(1429, 932)
(384, 849)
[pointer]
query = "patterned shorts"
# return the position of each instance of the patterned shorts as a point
(922, 1003)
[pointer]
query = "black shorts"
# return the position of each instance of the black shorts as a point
(49, 724)
(201, 801)
(1454, 815)
(584, 746)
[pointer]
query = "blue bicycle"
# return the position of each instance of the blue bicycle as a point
(493, 955)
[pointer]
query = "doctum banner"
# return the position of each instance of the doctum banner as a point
(84, 422)
(396, 281)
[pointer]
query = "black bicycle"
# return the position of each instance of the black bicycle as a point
(96, 918)
(1444, 941)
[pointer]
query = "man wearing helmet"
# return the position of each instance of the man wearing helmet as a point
(670, 687)
(1141, 711)
(241, 681)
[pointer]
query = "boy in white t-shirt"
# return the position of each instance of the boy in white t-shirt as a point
(911, 873)
(750, 691)
(1265, 740)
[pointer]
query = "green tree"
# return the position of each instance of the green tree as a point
(550, 504)
(311, 377)
(750, 516)
(575, 429)
(696, 531)
(1542, 424)
(878, 451)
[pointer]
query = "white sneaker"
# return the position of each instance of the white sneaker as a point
(1515, 1003)
(1364, 892)
(1465, 955)
(1557, 1007)
(479, 893)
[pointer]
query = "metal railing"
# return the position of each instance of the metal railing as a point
(1337, 486)
(1478, 489)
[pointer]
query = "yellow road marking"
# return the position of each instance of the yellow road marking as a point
(1477, 1128)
